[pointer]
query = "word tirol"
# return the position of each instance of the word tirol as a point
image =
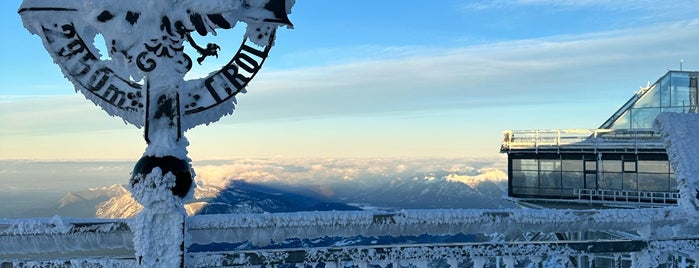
(233, 77)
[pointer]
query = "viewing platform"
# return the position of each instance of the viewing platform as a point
(581, 140)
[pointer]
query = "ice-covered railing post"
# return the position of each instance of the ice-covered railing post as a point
(141, 80)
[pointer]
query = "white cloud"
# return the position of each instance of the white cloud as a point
(568, 72)
(320, 171)
(398, 79)
(51, 115)
(493, 74)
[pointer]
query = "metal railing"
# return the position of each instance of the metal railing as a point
(627, 196)
(581, 139)
(59, 242)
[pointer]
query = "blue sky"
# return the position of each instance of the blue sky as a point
(381, 79)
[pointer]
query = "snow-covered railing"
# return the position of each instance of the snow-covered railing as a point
(63, 237)
(581, 139)
(261, 229)
(659, 232)
(600, 253)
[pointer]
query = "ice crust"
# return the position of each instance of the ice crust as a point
(125, 40)
(158, 230)
(679, 132)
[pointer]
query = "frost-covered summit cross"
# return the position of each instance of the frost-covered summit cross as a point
(141, 77)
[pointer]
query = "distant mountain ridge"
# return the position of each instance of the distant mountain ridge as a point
(434, 190)
(239, 197)
(441, 189)
(83, 203)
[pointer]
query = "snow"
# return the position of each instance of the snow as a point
(262, 229)
(41, 235)
(158, 228)
(670, 232)
(488, 174)
(102, 263)
(679, 132)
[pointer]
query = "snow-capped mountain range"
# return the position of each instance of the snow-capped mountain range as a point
(262, 184)
(270, 186)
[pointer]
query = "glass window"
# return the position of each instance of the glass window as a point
(611, 165)
(642, 118)
(650, 99)
(518, 178)
(590, 165)
(524, 179)
(653, 166)
(550, 180)
(572, 165)
(611, 181)
(665, 92)
(623, 122)
(591, 181)
(525, 164)
(629, 166)
(531, 179)
(673, 183)
(679, 90)
(653, 182)
(572, 180)
(629, 182)
(550, 164)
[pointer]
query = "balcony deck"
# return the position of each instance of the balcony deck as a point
(581, 140)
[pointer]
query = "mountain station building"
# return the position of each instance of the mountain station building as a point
(623, 163)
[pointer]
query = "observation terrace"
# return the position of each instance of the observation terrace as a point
(581, 140)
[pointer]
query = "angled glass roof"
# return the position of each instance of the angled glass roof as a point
(676, 91)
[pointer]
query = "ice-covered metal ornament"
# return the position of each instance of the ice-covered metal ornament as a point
(141, 77)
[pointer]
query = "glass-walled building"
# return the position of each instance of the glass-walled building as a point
(622, 163)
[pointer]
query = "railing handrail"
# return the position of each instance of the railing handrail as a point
(627, 196)
(260, 229)
(581, 138)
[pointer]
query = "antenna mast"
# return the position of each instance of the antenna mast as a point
(681, 62)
